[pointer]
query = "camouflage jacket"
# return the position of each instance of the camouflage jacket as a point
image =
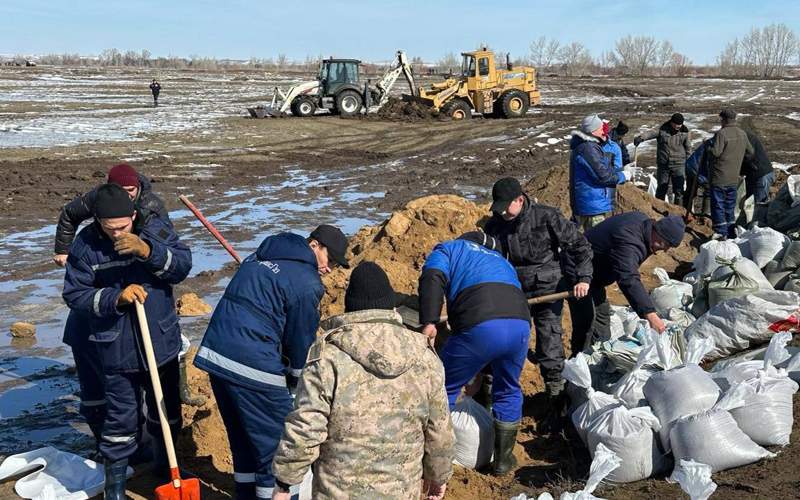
(370, 414)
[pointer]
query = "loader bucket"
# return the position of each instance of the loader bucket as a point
(257, 112)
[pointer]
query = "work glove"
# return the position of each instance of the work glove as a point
(630, 171)
(60, 259)
(130, 294)
(130, 244)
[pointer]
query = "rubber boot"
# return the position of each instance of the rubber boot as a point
(484, 395)
(553, 421)
(115, 479)
(186, 394)
(505, 436)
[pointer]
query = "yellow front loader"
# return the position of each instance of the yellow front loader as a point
(484, 88)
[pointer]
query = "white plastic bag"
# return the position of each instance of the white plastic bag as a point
(681, 390)
(766, 415)
(576, 372)
(629, 434)
(694, 478)
(604, 462)
(474, 430)
(791, 258)
(671, 293)
(64, 475)
(706, 260)
(776, 353)
(741, 323)
(630, 388)
(712, 437)
(762, 244)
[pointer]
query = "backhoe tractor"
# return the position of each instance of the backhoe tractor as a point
(337, 89)
(483, 88)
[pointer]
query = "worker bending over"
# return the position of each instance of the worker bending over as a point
(620, 245)
(256, 344)
(115, 261)
(371, 411)
(490, 324)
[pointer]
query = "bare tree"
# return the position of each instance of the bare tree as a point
(763, 52)
(636, 54)
(575, 58)
(680, 64)
(282, 61)
(448, 64)
(664, 56)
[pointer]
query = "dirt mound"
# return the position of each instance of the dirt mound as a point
(189, 304)
(622, 91)
(22, 330)
(397, 109)
(401, 244)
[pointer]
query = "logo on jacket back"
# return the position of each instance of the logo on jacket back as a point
(479, 248)
(275, 268)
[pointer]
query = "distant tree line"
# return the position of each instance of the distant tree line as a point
(763, 52)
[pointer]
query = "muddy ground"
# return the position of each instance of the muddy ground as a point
(60, 131)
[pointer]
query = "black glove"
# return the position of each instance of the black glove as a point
(637, 140)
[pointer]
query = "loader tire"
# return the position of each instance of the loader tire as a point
(303, 106)
(457, 109)
(348, 103)
(514, 104)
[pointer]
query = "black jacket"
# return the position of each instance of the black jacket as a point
(620, 245)
(757, 165)
(542, 244)
(80, 209)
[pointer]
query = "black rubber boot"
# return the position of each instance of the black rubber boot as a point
(505, 436)
(115, 479)
(553, 421)
(245, 491)
(186, 394)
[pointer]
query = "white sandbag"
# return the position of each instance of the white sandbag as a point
(706, 260)
(734, 278)
(694, 478)
(671, 293)
(63, 475)
(762, 244)
(681, 390)
(604, 462)
(679, 317)
(766, 415)
(712, 437)
(628, 318)
(775, 275)
(652, 185)
(744, 322)
(792, 284)
(630, 388)
(727, 373)
(791, 258)
(629, 434)
(793, 368)
(576, 371)
(473, 427)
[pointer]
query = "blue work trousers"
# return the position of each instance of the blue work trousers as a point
(254, 423)
(723, 206)
(502, 344)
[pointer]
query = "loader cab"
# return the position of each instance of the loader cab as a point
(336, 74)
(478, 69)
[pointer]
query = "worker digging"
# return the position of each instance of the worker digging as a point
(430, 355)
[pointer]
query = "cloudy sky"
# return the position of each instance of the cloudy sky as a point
(373, 30)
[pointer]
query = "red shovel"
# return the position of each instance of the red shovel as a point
(177, 488)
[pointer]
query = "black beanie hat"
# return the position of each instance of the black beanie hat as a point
(677, 119)
(481, 238)
(112, 201)
(621, 129)
(369, 288)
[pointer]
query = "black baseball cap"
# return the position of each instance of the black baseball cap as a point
(504, 192)
(334, 240)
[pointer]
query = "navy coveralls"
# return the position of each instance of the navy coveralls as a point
(255, 348)
(95, 278)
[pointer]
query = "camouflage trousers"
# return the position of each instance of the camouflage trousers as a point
(586, 222)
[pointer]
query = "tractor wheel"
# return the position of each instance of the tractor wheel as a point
(348, 103)
(303, 106)
(457, 109)
(514, 103)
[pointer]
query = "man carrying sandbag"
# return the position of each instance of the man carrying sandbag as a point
(489, 318)
(620, 244)
(371, 410)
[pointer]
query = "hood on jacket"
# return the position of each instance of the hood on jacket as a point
(377, 340)
(579, 137)
(668, 128)
(286, 246)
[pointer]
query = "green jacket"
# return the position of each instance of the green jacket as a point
(727, 154)
(371, 412)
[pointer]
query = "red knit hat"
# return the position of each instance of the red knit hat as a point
(123, 175)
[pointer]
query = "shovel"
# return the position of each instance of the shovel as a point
(177, 488)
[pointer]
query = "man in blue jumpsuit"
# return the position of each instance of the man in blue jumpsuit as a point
(490, 321)
(112, 263)
(256, 345)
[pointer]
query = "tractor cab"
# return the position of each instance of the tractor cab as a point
(478, 68)
(337, 73)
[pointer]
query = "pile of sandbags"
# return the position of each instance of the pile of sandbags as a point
(672, 294)
(576, 372)
(783, 213)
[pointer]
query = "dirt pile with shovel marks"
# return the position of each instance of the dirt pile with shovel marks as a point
(398, 109)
